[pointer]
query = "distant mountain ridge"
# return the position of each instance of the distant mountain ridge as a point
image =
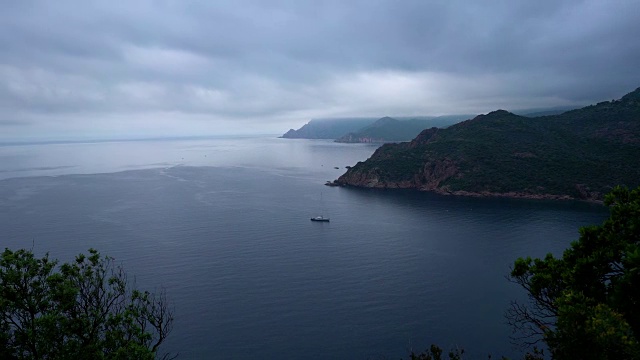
(579, 154)
(386, 129)
(328, 128)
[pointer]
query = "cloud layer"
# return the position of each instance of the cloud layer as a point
(72, 69)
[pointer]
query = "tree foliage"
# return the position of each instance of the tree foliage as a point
(86, 309)
(586, 304)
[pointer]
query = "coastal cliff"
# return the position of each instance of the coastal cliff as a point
(580, 154)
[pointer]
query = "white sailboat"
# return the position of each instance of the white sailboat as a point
(320, 218)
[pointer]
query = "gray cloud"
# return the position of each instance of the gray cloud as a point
(95, 68)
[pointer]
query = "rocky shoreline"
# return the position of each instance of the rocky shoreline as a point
(483, 194)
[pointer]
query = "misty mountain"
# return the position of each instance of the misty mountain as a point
(388, 129)
(328, 128)
(400, 128)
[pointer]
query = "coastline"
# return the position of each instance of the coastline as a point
(482, 194)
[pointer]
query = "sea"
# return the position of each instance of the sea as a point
(223, 225)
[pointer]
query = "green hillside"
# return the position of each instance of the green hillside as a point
(578, 154)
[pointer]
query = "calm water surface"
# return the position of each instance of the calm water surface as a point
(224, 225)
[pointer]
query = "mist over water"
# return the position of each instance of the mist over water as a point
(223, 225)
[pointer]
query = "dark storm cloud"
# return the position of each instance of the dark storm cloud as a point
(99, 67)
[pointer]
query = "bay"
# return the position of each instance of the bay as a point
(223, 225)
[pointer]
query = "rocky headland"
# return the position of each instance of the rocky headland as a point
(579, 154)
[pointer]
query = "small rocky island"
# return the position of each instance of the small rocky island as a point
(579, 154)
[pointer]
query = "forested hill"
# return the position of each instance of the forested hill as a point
(579, 154)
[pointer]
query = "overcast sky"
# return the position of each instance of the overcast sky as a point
(112, 69)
